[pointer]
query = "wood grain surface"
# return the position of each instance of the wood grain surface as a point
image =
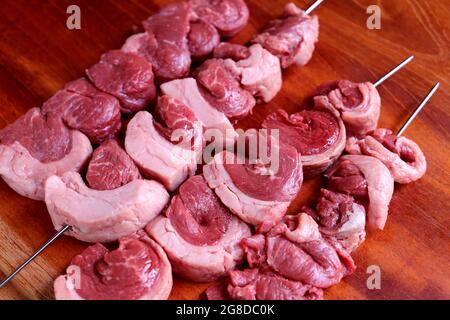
(38, 55)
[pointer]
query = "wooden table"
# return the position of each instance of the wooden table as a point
(38, 55)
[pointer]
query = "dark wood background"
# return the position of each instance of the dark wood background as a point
(38, 55)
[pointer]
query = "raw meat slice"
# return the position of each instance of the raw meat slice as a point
(291, 38)
(295, 250)
(261, 284)
(36, 147)
(221, 88)
(82, 107)
(402, 156)
(110, 167)
(243, 187)
(228, 16)
(165, 43)
(188, 92)
(377, 188)
(102, 216)
(318, 134)
(340, 217)
(202, 39)
(358, 103)
(260, 73)
(157, 149)
(127, 76)
(200, 236)
(137, 270)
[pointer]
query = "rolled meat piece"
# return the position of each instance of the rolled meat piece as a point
(188, 92)
(259, 74)
(242, 183)
(318, 134)
(202, 39)
(102, 216)
(127, 76)
(165, 44)
(199, 234)
(261, 284)
(292, 37)
(295, 250)
(358, 103)
(220, 87)
(368, 180)
(227, 50)
(137, 270)
(341, 218)
(110, 167)
(402, 156)
(82, 107)
(36, 147)
(228, 16)
(169, 150)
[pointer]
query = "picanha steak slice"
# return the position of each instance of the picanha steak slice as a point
(127, 76)
(102, 216)
(358, 103)
(199, 234)
(165, 42)
(318, 134)
(36, 147)
(228, 16)
(82, 107)
(243, 188)
(167, 150)
(292, 37)
(137, 270)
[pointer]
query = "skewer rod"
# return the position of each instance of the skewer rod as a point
(393, 71)
(313, 6)
(31, 258)
(419, 108)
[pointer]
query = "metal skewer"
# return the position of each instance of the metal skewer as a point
(31, 258)
(418, 109)
(393, 71)
(313, 6)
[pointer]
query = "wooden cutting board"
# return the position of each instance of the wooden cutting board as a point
(38, 55)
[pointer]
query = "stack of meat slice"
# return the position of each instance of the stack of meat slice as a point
(36, 147)
(291, 261)
(402, 156)
(358, 103)
(199, 234)
(137, 270)
(184, 30)
(119, 204)
(291, 38)
(168, 150)
(368, 181)
(318, 134)
(241, 180)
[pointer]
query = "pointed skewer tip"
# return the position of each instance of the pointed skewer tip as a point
(418, 109)
(393, 71)
(313, 6)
